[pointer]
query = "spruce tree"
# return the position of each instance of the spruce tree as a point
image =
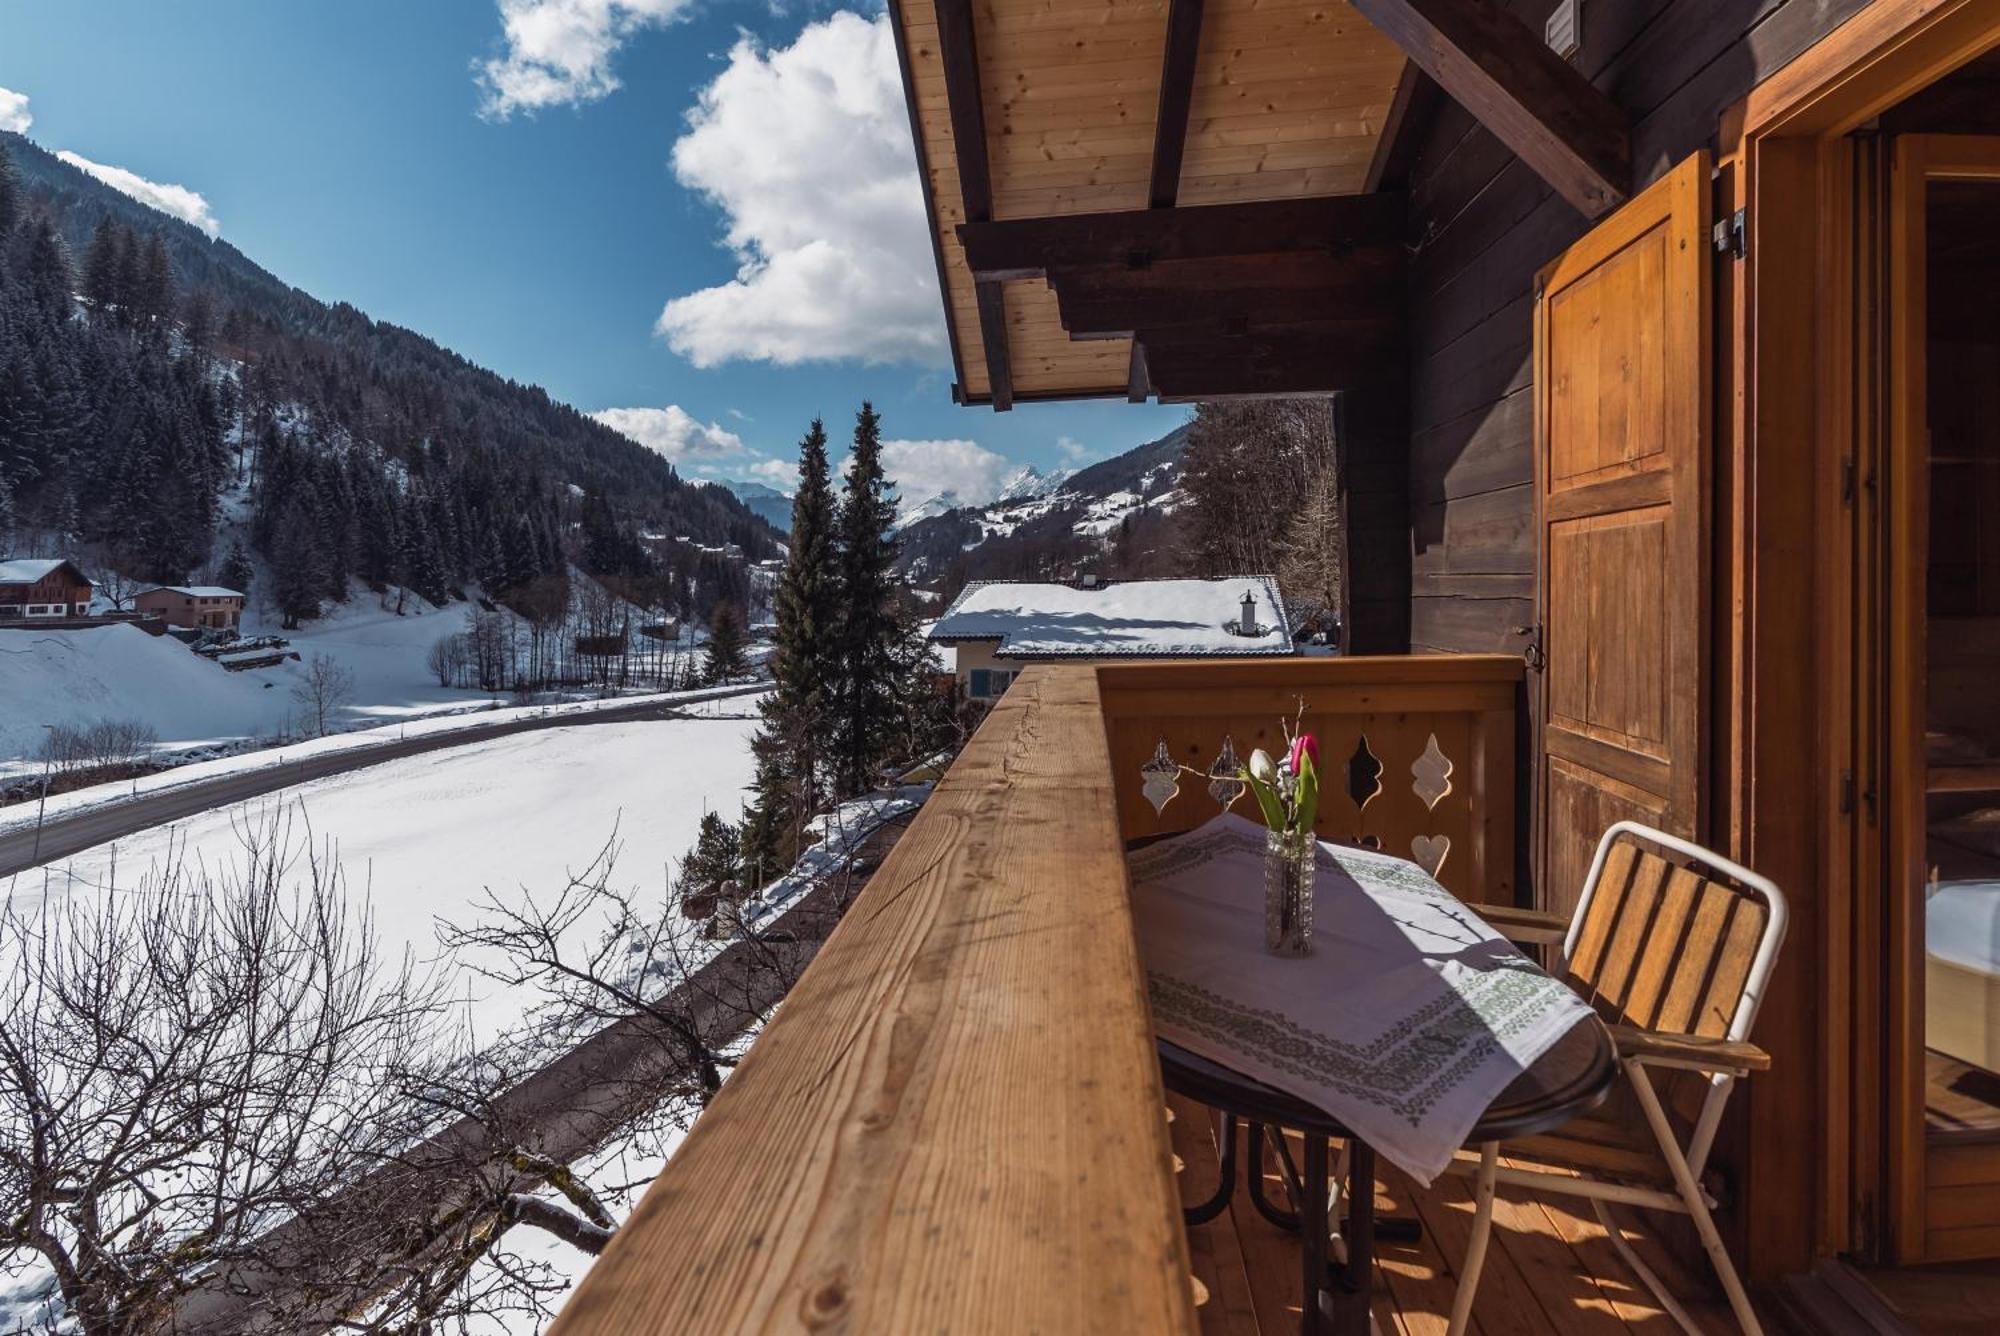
(155, 297)
(725, 659)
(713, 860)
(805, 660)
(865, 722)
(10, 194)
(767, 840)
(236, 571)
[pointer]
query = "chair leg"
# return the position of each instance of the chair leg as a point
(1482, 1230)
(1697, 1204)
(1646, 1275)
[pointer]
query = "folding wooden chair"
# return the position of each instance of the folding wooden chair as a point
(1673, 945)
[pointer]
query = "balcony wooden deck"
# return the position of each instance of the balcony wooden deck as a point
(954, 1121)
(1551, 1268)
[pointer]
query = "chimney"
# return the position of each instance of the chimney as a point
(1248, 626)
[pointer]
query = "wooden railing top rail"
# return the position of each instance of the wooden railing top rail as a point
(954, 1123)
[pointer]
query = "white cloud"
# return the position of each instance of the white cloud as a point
(14, 114)
(559, 52)
(924, 469)
(674, 432)
(1073, 450)
(806, 150)
(782, 474)
(179, 201)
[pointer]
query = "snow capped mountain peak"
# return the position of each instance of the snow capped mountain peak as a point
(928, 507)
(1028, 482)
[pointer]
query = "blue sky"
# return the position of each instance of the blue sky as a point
(521, 180)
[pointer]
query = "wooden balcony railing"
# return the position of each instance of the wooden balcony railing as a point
(955, 1121)
(1416, 754)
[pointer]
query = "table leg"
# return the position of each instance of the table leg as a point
(1215, 1205)
(1351, 1304)
(1313, 1236)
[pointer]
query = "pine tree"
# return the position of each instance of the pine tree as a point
(768, 839)
(297, 572)
(10, 194)
(864, 718)
(724, 660)
(155, 296)
(236, 571)
(713, 860)
(48, 271)
(805, 660)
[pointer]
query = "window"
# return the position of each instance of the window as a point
(982, 684)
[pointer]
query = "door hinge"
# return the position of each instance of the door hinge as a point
(1730, 235)
(1532, 652)
(1847, 481)
(1847, 793)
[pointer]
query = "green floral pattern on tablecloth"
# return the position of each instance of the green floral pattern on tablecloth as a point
(1404, 1069)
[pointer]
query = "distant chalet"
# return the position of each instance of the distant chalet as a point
(205, 607)
(39, 587)
(996, 626)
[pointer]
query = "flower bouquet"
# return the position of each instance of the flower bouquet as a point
(1288, 793)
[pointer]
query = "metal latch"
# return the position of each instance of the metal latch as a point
(1729, 235)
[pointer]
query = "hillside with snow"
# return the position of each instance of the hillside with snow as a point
(1043, 524)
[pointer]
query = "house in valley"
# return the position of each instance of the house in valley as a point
(1667, 399)
(43, 587)
(202, 607)
(996, 628)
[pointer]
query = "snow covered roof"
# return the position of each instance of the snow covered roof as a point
(1121, 619)
(199, 591)
(28, 570)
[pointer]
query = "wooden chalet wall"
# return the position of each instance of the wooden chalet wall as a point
(1484, 224)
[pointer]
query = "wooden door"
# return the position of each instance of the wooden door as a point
(1943, 1161)
(1622, 430)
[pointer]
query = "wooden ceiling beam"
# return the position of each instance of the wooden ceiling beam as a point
(1029, 247)
(1496, 67)
(1255, 291)
(958, 52)
(1170, 122)
(1410, 111)
(1262, 366)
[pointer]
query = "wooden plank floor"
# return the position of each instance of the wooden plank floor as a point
(1550, 1268)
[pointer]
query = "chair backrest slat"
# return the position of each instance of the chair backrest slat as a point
(1654, 972)
(1664, 947)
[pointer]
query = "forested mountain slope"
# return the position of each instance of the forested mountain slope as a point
(155, 383)
(1114, 517)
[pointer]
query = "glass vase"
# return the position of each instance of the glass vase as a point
(1289, 863)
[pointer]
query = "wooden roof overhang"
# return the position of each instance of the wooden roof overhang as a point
(1198, 199)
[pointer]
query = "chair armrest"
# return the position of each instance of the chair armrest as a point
(1689, 1051)
(1532, 926)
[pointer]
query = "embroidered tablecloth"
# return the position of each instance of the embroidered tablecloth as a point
(1408, 1019)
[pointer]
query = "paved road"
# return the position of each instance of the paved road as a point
(61, 837)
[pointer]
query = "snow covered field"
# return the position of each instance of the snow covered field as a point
(120, 672)
(421, 839)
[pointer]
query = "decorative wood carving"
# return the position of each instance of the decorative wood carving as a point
(1429, 851)
(1162, 778)
(1364, 774)
(1223, 784)
(1432, 775)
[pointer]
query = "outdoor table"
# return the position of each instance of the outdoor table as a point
(1568, 1076)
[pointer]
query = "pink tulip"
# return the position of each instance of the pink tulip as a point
(1303, 746)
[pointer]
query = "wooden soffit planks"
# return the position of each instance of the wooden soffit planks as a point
(1051, 109)
(1085, 109)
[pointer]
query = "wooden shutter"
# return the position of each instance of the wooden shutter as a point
(1622, 427)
